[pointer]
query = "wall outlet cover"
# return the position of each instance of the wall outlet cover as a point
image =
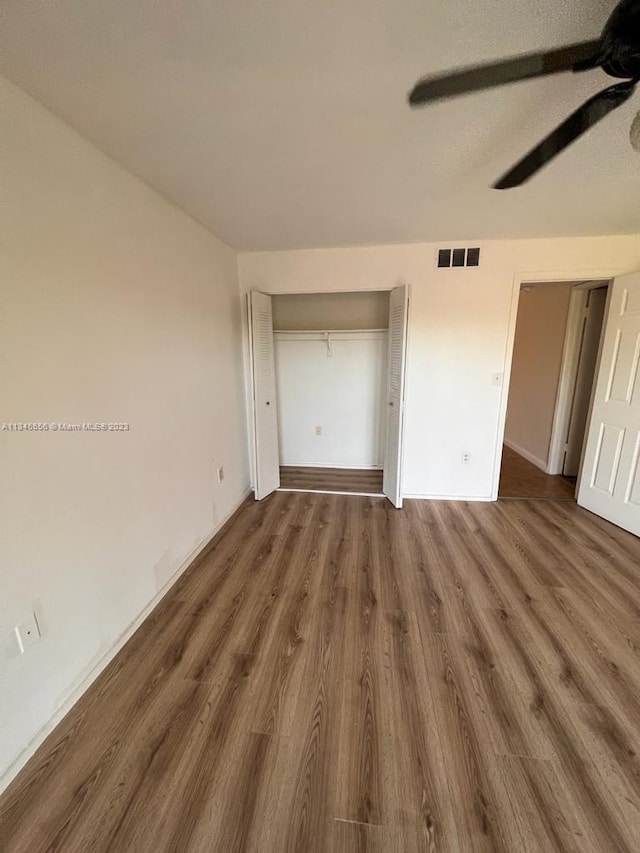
(27, 633)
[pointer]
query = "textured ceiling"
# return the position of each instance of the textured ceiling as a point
(284, 124)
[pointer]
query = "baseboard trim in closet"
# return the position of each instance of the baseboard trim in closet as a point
(334, 492)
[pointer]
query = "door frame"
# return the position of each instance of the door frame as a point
(575, 275)
(569, 365)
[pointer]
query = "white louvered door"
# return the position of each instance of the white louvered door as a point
(398, 318)
(610, 480)
(267, 462)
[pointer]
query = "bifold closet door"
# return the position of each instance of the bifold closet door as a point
(265, 415)
(398, 320)
(610, 479)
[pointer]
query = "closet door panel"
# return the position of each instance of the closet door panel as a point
(398, 322)
(267, 462)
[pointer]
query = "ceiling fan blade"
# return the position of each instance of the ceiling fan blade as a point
(573, 57)
(590, 113)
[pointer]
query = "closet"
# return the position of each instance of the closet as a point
(328, 391)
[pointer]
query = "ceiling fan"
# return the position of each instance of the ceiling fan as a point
(617, 52)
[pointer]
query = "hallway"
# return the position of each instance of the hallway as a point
(520, 478)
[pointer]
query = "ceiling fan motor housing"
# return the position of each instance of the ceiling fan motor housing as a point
(620, 50)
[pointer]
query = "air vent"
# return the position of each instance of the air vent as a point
(444, 257)
(459, 257)
(473, 257)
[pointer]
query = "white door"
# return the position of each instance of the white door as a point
(398, 318)
(610, 480)
(265, 416)
(592, 322)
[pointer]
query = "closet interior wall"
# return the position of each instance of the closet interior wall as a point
(331, 365)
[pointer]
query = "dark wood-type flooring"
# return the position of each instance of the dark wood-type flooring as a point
(335, 675)
(520, 478)
(367, 481)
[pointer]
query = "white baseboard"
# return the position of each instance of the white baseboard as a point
(422, 497)
(407, 496)
(347, 465)
(69, 701)
(334, 492)
(539, 463)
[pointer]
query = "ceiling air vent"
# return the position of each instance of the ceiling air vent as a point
(459, 257)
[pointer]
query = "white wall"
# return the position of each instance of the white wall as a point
(115, 306)
(461, 325)
(364, 310)
(342, 393)
(535, 369)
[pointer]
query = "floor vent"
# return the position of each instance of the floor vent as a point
(459, 257)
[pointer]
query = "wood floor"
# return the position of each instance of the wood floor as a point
(367, 481)
(520, 478)
(336, 676)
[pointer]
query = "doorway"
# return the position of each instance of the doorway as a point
(328, 383)
(557, 341)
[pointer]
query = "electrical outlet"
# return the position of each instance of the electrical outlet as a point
(27, 633)
(318, 430)
(466, 457)
(221, 473)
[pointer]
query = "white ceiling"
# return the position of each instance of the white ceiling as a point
(284, 124)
